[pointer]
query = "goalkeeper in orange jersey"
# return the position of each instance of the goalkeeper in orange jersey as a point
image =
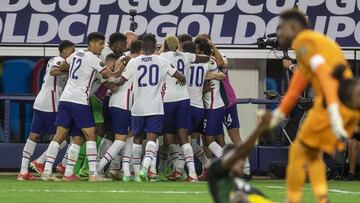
(335, 112)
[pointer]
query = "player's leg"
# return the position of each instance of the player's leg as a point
(295, 172)
(153, 127)
(183, 122)
(126, 159)
(137, 126)
(163, 156)
(354, 151)
(317, 175)
(73, 155)
(26, 155)
(153, 174)
(60, 168)
(212, 128)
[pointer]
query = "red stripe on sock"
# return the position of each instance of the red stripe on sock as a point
(150, 151)
(51, 157)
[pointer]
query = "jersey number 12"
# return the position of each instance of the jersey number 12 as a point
(75, 65)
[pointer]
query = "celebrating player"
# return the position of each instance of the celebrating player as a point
(45, 109)
(74, 109)
(334, 114)
(148, 72)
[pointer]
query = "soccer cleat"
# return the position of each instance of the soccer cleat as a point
(143, 175)
(70, 178)
(36, 166)
(192, 179)
(137, 179)
(127, 179)
(50, 177)
(153, 177)
(84, 173)
(60, 169)
(204, 175)
(98, 178)
(26, 176)
(174, 176)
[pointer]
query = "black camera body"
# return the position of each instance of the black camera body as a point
(133, 24)
(269, 40)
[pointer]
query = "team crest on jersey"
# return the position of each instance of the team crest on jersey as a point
(102, 64)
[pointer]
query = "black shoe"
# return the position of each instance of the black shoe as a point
(350, 177)
(247, 177)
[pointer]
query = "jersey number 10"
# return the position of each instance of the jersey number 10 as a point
(151, 72)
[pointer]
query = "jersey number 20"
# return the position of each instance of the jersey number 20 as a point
(149, 75)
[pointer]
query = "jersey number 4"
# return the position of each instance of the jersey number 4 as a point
(151, 72)
(75, 65)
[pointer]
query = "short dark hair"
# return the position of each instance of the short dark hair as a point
(140, 37)
(135, 46)
(115, 37)
(184, 38)
(149, 42)
(203, 45)
(189, 47)
(112, 56)
(95, 36)
(295, 14)
(65, 44)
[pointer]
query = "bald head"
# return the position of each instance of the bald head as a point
(130, 36)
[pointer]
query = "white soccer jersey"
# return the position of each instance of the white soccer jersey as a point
(48, 98)
(98, 81)
(212, 99)
(106, 51)
(122, 97)
(195, 83)
(83, 67)
(148, 75)
(181, 61)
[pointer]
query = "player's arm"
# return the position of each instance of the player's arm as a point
(214, 75)
(217, 55)
(243, 148)
(55, 71)
(329, 86)
(63, 67)
(180, 78)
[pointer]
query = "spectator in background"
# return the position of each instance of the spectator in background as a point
(354, 151)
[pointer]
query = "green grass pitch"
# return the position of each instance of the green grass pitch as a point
(13, 191)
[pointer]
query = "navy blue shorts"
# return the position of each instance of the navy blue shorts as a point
(43, 122)
(72, 114)
(147, 124)
(177, 115)
(107, 115)
(213, 122)
(121, 119)
(197, 120)
(231, 119)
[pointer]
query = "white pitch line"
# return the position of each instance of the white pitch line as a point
(102, 191)
(330, 190)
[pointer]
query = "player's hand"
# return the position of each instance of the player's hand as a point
(337, 123)
(276, 118)
(265, 120)
(208, 86)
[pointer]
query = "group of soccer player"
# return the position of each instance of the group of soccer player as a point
(124, 104)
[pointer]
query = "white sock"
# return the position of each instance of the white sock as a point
(163, 155)
(180, 163)
(154, 160)
(73, 155)
(91, 154)
(216, 149)
(136, 156)
(42, 158)
(173, 153)
(189, 159)
(247, 168)
(199, 152)
(116, 163)
(104, 146)
(26, 155)
(111, 153)
(52, 152)
(126, 158)
(149, 154)
(63, 144)
(64, 160)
